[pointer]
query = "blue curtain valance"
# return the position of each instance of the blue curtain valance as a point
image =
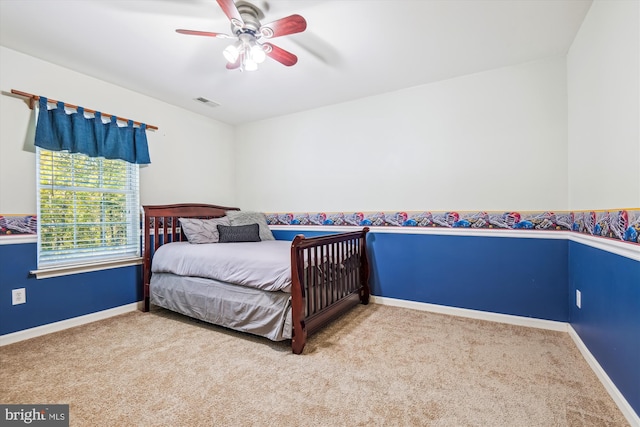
(58, 131)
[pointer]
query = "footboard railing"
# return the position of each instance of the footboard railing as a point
(330, 274)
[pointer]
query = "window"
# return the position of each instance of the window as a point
(88, 209)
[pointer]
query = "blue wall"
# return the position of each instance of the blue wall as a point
(609, 321)
(523, 277)
(58, 298)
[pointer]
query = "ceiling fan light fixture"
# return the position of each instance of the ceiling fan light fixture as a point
(249, 64)
(232, 52)
(256, 54)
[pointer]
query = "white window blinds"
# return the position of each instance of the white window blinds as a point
(88, 209)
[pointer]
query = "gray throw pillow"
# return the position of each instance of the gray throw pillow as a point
(239, 233)
(202, 230)
(250, 217)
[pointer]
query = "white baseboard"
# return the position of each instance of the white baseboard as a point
(611, 388)
(66, 324)
(474, 314)
(613, 391)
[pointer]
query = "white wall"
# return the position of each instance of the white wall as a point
(604, 115)
(489, 141)
(192, 156)
(495, 140)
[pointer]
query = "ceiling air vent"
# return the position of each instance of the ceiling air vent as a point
(207, 102)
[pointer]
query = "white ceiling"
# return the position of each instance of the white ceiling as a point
(351, 48)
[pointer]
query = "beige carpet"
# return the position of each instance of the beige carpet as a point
(376, 366)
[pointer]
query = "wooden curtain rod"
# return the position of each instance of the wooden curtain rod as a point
(33, 98)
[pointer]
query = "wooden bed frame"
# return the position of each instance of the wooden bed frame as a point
(318, 294)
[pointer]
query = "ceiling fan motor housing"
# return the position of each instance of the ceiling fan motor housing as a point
(251, 15)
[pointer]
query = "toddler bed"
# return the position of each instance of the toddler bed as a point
(238, 276)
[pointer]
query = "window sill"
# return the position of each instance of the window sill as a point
(66, 270)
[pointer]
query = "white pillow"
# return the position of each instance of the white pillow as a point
(202, 230)
(250, 217)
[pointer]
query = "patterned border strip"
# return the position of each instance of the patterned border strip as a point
(12, 225)
(622, 225)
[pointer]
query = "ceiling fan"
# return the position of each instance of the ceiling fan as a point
(250, 49)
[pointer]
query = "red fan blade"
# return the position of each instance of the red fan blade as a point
(204, 33)
(282, 27)
(282, 56)
(229, 8)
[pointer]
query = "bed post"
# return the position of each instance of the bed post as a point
(364, 268)
(146, 261)
(299, 332)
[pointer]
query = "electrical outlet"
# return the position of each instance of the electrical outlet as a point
(578, 298)
(18, 296)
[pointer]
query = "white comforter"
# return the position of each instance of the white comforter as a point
(264, 265)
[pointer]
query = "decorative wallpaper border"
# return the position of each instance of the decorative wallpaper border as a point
(622, 225)
(17, 225)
